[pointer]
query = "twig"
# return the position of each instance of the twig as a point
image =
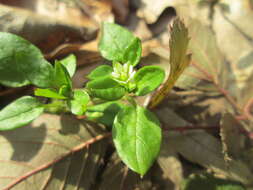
(47, 165)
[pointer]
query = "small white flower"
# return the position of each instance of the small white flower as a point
(123, 73)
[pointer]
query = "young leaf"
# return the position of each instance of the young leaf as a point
(148, 79)
(100, 71)
(137, 137)
(49, 93)
(19, 113)
(78, 104)
(133, 52)
(106, 88)
(179, 60)
(22, 63)
(62, 80)
(104, 113)
(70, 64)
(114, 42)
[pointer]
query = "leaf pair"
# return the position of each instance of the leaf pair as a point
(22, 64)
(104, 86)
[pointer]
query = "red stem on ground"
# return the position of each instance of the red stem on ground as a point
(186, 128)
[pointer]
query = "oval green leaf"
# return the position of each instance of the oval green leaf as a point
(148, 79)
(137, 137)
(106, 89)
(21, 63)
(114, 41)
(100, 71)
(78, 104)
(19, 113)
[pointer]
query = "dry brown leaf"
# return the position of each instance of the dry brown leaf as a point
(45, 32)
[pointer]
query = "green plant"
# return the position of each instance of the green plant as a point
(108, 97)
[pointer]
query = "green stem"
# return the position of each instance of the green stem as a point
(56, 106)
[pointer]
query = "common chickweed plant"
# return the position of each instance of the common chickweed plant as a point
(108, 96)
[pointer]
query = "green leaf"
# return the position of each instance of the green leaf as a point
(106, 88)
(105, 112)
(62, 80)
(78, 104)
(114, 42)
(133, 52)
(70, 64)
(49, 93)
(137, 137)
(21, 63)
(19, 113)
(148, 79)
(179, 60)
(209, 182)
(100, 71)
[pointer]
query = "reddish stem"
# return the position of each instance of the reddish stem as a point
(186, 128)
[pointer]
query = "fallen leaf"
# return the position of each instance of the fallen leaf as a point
(232, 25)
(185, 9)
(44, 31)
(47, 154)
(204, 149)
